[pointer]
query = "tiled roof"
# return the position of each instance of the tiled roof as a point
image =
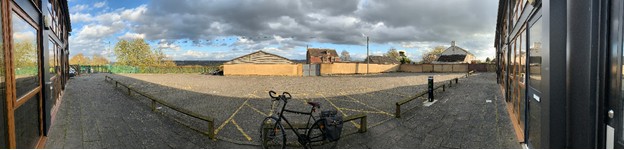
(382, 60)
(322, 52)
(452, 58)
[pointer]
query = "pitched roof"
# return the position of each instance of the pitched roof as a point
(451, 58)
(455, 48)
(322, 52)
(382, 60)
(260, 51)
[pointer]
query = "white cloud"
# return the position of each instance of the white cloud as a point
(80, 17)
(130, 36)
(78, 8)
(99, 4)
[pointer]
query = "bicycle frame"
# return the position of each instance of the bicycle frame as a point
(281, 116)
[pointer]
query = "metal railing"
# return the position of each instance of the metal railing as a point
(397, 112)
(155, 101)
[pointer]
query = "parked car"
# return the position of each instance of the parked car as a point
(72, 72)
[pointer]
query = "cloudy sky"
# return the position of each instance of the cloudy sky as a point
(225, 29)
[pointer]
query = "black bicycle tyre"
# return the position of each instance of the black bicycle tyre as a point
(276, 134)
(317, 137)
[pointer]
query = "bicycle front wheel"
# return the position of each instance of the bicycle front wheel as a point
(272, 134)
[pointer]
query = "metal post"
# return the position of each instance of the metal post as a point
(430, 88)
(363, 125)
(367, 56)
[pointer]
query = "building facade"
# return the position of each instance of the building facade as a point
(454, 54)
(34, 69)
(260, 57)
(559, 65)
(321, 56)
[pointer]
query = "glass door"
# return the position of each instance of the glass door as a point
(615, 117)
(26, 77)
(535, 87)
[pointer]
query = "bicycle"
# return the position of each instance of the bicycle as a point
(272, 131)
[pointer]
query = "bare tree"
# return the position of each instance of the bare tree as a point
(344, 56)
(432, 55)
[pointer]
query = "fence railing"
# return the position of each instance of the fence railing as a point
(397, 113)
(155, 101)
(143, 69)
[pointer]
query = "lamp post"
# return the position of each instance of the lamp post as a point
(367, 57)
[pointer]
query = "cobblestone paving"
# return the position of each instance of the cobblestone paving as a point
(461, 118)
(239, 103)
(96, 115)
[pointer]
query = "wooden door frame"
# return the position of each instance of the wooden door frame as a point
(12, 101)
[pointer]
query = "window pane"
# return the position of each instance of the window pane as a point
(535, 50)
(51, 58)
(27, 123)
(25, 56)
(3, 129)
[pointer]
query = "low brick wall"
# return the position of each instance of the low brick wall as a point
(356, 68)
(263, 69)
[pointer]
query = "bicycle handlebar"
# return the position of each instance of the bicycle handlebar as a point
(271, 94)
(287, 97)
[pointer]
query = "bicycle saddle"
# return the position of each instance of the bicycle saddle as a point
(315, 104)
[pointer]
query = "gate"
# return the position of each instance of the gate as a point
(311, 69)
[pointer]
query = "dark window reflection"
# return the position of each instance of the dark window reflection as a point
(27, 123)
(25, 56)
(535, 49)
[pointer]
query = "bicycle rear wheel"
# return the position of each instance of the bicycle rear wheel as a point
(316, 133)
(272, 135)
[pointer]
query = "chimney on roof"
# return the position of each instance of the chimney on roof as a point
(452, 43)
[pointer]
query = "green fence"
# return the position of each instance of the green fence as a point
(147, 69)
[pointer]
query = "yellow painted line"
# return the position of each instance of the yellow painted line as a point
(241, 130)
(340, 110)
(365, 111)
(256, 110)
(230, 118)
(358, 101)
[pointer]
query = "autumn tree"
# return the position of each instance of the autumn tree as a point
(99, 60)
(138, 53)
(393, 53)
(344, 56)
(432, 55)
(79, 59)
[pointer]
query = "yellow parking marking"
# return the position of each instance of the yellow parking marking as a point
(241, 130)
(256, 110)
(366, 111)
(358, 101)
(340, 110)
(231, 116)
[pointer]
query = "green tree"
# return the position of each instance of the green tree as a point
(487, 60)
(138, 53)
(432, 55)
(393, 53)
(79, 59)
(134, 53)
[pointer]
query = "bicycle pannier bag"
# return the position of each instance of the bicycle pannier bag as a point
(333, 124)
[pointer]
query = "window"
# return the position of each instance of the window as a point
(535, 51)
(25, 56)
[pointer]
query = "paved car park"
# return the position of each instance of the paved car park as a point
(239, 103)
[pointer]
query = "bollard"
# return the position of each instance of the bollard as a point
(430, 88)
